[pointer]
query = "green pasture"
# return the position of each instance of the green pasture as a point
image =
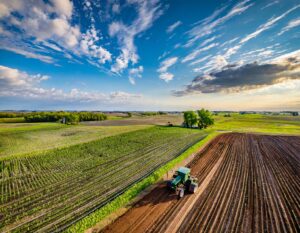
(256, 123)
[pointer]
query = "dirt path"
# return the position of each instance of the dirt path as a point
(248, 183)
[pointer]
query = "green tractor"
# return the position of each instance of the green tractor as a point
(183, 181)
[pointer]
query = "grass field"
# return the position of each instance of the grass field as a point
(54, 174)
(256, 123)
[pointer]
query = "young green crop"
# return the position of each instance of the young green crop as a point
(63, 185)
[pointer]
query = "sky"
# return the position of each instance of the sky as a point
(170, 55)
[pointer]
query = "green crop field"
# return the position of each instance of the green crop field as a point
(18, 139)
(51, 190)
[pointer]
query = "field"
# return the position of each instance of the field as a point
(26, 138)
(51, 190)
(248, 183)
(52, 175)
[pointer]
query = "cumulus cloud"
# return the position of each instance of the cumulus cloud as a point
(237, 78)
(42, 29)
(173, 26)
(164, 66)
(89, 46)
(14, 82)
(148, 12)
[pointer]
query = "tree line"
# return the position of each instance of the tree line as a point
(201, 119)
(64, 117)
(153, 113)
(11, 114)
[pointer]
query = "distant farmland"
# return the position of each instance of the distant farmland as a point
(52, 190)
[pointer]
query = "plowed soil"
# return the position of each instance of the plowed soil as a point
(248, 183)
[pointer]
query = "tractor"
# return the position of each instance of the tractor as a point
(183, 182)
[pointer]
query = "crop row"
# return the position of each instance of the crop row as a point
(49, 191)
(256, 188)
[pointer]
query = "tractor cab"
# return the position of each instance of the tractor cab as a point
(183, 181)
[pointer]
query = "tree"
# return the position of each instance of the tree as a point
(190, 118)
(72, 118)
(205, 118)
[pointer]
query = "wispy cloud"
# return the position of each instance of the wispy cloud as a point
(271, 22)
(200, 60)
(292, 24)
(208, 26)
(270, 4)
(164, 66)
(28, 54)
(148, 12)
(173, 26)
(135, 73)
(197, 51)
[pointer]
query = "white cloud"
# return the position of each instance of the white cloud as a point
(232, 50)
(132, 80)
(17, 83)
(148, 12)
(135, 73)
(208, 26)
(215, 63)
(10, 78)
(63, 7)
(116, 8)
(200, 60)
(167, 63)
(267, 25)
(28, 54)
(197, 51)
(89, 46)
(120, 95)
(270, 4)
(292, 24)
(163, 69)
(166, 76)
(50, 26)
(173, 26)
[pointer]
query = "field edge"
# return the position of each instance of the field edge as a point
(129, 195)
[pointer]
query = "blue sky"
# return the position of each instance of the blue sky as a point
(150, 55)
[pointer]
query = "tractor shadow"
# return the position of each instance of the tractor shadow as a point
(160, 195)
